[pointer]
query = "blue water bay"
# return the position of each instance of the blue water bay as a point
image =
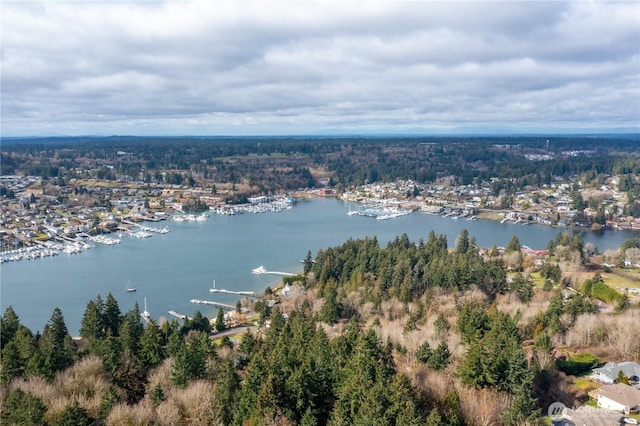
(171, 269)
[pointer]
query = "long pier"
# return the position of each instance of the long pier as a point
(239, 292)
(286, 274)
(209, 302)
(178, 315)
(259, 271)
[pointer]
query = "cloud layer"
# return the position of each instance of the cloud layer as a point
(291, 67)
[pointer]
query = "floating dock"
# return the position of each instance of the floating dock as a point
(209, 302)
(178, 315)
(239, 292)
(261, 270)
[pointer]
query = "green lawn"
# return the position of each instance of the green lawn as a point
(616, 281)
(585, 383)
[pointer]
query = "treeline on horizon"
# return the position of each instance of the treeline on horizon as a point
(269, 165)
(293, 372)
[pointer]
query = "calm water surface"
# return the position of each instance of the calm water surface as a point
(171, 269)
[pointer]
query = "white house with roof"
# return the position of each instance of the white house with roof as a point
(609, 373)
(619, 397)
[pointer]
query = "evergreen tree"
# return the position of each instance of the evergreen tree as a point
(180, 375)
(9, 324)
(308, 263)
(21, 408)
(11, 365)
(56, 345)
(435, 419)
(151, 350)
(220, 320)
(403, 402)
(513, 245)
(131, 330)
(523, 408)
(157, 395)
(424, 353)
(523, 287)
(440, 357)
(226, 393)
(462, 243)
(473, 323)
(112, 317)
(621, 378)
(108, 400)
(112, 354)
(247, 343)
(330, 311)
(72, 415)
(253, 382)
(174, 344)
(191, 359)
(623, 303)
(92, 328)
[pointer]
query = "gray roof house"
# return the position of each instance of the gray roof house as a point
(619, 397)
(609, 373)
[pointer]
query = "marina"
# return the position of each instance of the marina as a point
(257, 205)
(380, 212)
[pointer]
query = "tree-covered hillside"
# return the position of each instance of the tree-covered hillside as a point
(413, 333)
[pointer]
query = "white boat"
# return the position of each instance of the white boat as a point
(141, 234)
(259, 270)
(130, 289)
(145, 314)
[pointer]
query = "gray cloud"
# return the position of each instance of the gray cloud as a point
(228, 67)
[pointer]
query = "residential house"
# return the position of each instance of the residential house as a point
(586, 415)
(609, 373)
(619, 397)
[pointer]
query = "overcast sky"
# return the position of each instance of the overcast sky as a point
(217, 67)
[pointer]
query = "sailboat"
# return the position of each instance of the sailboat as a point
(128, 288)
(216, 290)
(145, 314)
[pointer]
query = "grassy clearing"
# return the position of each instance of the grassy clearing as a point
(616, 281)
(537, 279)
(584, 383)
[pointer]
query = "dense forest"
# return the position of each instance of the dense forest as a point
(332, 359)
(272, 165)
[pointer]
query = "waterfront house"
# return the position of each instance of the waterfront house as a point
(609, 373)
(619, 397)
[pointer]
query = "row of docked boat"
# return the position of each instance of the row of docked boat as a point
(264, 205)
(46, 249)
(71, 246)
(379, 212)
(103, 239)
(151, 229)
(190, 217)
(141, 234)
